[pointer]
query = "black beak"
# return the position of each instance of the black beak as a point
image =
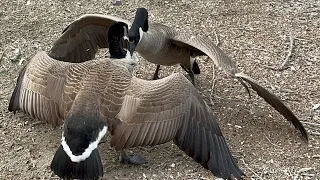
(131, 47)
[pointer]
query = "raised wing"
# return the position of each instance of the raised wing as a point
(46, 88)
(225, 63)
(205, 46)
(39, 88)
(82, 38)
(155, 112)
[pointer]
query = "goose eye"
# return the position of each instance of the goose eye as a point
(131, 40)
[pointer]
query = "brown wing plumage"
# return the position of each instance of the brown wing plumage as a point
(221, 60)
(155, 112)
(205, 46)
(46, 88)
(39, 89)
(82, 38)
(275, 102)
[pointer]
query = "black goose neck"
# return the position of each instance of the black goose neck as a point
(140, 20)
(115, 35)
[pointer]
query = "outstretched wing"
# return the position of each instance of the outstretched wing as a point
(155, 112)
(275, 102)
(39, 88)
(46, 88)
(82, 38)
(221, 60)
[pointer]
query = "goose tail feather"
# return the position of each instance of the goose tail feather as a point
(90, 168)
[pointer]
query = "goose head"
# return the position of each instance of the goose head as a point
(115, 40)
(139, 26)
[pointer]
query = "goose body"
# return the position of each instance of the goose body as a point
(162, 45)
(97, 95)
(161, 51)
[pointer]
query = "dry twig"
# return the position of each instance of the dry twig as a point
(271, 142)
(217, 38)
(314, 133)
(310, 123)
(285, 65)
(302, 170)
(259, 177)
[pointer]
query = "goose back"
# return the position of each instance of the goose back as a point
(156, 46)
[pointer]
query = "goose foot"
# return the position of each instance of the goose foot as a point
(128, 158)
(155, 77)
(190, 72)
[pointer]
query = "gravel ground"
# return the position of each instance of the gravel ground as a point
(256, 34)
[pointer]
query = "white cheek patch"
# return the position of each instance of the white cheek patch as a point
(128, 56)
(92, 146)
(140, 33)
(125, 33)
(192, 61)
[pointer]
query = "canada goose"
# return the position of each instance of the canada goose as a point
(97, 96)
(80, 40)
(162, 45)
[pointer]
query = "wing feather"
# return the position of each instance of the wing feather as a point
(178, 113)
(39, 88)
(275, 102)
(90, 31)
(221, 60)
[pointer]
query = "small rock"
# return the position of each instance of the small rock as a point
(237, 126)
(316, 107)
(116, 3)
(172, 165)
(15, 55)
(19, 148)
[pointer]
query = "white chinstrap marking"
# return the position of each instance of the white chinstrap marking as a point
(125, 32)
(141, 32)
(192, 61)
(129, 57)
(92, 146)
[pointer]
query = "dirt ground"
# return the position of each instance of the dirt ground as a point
(256, 34)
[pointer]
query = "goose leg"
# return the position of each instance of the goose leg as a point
(155, 76)
(128, 158)
(190, 72)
